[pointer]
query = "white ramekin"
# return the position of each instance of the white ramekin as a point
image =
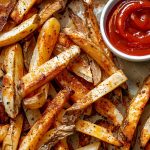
(108, 7)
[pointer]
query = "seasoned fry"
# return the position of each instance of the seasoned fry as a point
(102, 89)
(97, 131)
(94, 146)
(41, 54)
(47, 71)
(145, 133)
(135, 110)
(106, 108)
(43, 124)
(11, 140)
(92, 50)
(50, 8)
(3, 132)
(21, 8)
(19, 32)
(54, 135)
(62, 145)
(5, 9)
(65, 79)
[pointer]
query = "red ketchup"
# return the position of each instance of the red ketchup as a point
(128, 27)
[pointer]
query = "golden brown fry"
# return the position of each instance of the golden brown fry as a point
(135, 110)
(102, 89)
(22, 7)
(11, 140)
(97, 131)
(8, 91)
(19, 32)
(50, 8)
(92, 50)
(106, 108)
(41, 54)
(145, 133)
(47, 71)
(93, 146)
(65, 79)
(43, 124)
(3, 132)
(62, 145)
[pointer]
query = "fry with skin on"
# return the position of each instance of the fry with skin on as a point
(3, 132)
(134, 112)
(106, 108)
(43, 124)
(145, 133)
(46, 72)
(11, 140)
(92, 50)
(22, 7)
(102, 89)
(19, 32)
(97, 131)
(50, 8)
(41, 54)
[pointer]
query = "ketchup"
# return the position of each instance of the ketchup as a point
(128, 27)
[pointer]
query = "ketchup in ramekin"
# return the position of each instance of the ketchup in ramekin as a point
(128, 27)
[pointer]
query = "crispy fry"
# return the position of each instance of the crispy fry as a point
(19, 32)
(135, 110)
(5, 9)
(94, 146)
(43, 124)
(54, 135)
(22, 7)
(106, 108)
(47, 71)
(97, 131)
(65, 79)
(145, 133)
(11, 140)
(41, 54)
(50, 8)
(62, 145)
(8, 91)
(102, 89)
(92, 50)
(3, 132)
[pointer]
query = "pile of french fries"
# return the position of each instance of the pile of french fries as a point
(55, 80)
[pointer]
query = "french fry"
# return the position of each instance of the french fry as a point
(41, 54)
(22, 7)
(54, 135)
(19, 32)
(94, 146)
(38, 130)
(32, 115)
(145, 133)
(106, 108)
(92, 50)
(65, 79)
(62, 145)
(97, 131)
(47, 71)
(8, 91)
(11, 140)
(135, 110)
(50, 8)
(3, 132)
(102, 89)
